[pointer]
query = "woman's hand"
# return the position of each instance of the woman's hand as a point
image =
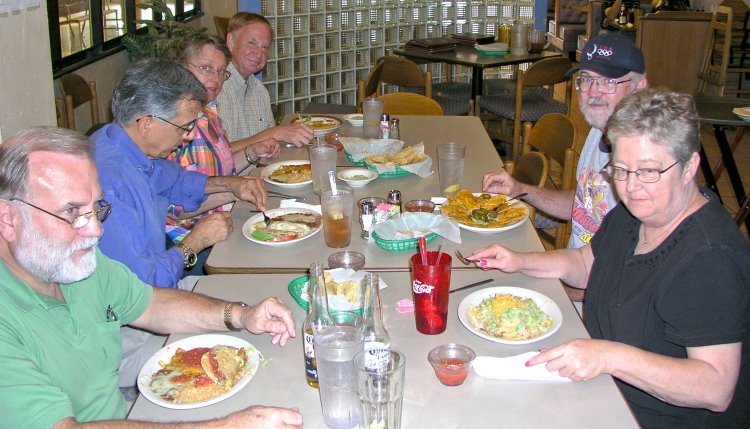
(578, 360)
(498, 257)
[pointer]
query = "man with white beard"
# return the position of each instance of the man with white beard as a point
(62, 302)
(611, 67)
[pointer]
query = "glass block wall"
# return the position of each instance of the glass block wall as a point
(323, 47)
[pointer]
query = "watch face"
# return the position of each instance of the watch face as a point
(190, 259)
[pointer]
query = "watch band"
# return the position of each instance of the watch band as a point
(228, 315)
(249, 158)
(191, 258)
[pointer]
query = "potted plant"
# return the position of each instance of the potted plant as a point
(163, 36)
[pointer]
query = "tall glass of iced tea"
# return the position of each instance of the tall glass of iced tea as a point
(337, 216)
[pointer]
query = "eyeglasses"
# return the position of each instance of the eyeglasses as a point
(605, 85)
(81, 220)
(210, 71)
(187, 128)
(645, 175)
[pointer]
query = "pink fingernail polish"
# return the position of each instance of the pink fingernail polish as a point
(483, 263)
(528, 362)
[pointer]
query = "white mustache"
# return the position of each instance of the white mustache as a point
(86, 243)
(597, 101)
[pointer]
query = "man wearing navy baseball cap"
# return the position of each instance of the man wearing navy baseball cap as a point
(611, 67)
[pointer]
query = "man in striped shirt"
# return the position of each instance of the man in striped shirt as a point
(244, 103)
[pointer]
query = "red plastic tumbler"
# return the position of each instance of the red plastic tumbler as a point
(430, 288)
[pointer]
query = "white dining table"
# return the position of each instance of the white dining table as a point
(478, 402)
(237, 254)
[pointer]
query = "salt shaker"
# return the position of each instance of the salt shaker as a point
(366, 218)
(394, 132)
(394, 198)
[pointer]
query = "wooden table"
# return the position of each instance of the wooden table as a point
(718, 112)
(237, 254)
(478, 403)
(468, 56)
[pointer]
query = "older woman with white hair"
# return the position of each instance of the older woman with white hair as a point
(667, 279)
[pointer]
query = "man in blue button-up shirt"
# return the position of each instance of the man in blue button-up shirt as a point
(155, 105)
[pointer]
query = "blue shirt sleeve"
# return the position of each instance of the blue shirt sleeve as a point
(140, 189)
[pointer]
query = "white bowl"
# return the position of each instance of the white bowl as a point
(353, 176)
(355, 119)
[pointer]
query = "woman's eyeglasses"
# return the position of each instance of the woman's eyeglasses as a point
(645, 175)
(210, 71)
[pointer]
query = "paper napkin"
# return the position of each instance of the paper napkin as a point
(514, 368)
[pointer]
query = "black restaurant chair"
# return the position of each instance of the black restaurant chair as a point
(532, 99)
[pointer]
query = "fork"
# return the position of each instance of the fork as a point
(266, 219)
(461, 258)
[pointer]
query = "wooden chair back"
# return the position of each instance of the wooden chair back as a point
(222, 24)
(396, 71)
(408, 103)
(555, 135)
(60, 112)
(716, 51)
(545, 73)
(531, 168)
(76, 92)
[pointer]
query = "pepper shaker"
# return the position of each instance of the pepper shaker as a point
(385, 126)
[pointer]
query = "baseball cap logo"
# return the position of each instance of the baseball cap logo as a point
(602, 52)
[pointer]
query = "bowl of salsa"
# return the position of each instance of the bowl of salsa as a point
(451, 363)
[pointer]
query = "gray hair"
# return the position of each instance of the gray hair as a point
(154, 87)
(191, 46)
(667, 118)
(15, 151)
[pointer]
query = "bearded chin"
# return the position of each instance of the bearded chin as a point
(51, 261)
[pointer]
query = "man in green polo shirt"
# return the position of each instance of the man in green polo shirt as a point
(62, 302)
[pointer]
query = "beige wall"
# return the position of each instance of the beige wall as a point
(25, 71)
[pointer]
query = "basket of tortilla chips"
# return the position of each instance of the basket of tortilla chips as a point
(409, 160)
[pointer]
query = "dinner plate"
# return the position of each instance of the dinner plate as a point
(333, 121)
(207, 340)
(247, 228)
(268, 171)
(544, 302)
(517, 204)
(742, 112)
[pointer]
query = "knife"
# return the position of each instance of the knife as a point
(473, 285)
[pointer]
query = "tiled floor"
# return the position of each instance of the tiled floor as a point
(741, 155)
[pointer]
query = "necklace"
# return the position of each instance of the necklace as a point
(645, 241)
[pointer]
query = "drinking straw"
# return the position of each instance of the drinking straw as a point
(332, 180)
(423, 249)
(440, 253)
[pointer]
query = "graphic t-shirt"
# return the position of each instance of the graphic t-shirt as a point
(595, 196)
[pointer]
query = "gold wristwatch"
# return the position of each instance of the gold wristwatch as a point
(228, 315)
(190, 256)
